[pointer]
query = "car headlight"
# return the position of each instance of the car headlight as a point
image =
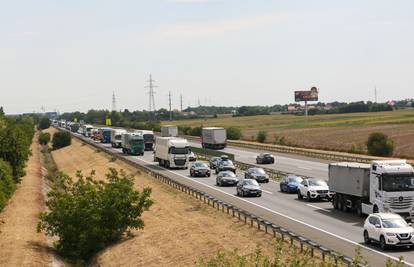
(390, 234)
(312, 191)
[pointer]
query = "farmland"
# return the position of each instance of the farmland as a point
(340, 132)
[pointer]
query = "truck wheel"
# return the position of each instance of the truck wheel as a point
(339, 202)
(335, 202)
(167, 164)
(359, 208)
(375, 209)
(344, 207)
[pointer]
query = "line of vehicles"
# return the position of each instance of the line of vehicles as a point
(378, 189)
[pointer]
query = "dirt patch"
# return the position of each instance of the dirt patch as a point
(20, 244)
(179, 229)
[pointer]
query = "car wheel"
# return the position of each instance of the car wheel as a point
(367, 240)
(281, 188)
(308, 197)
(299, 195)
(208, 175)
(191, 174)
(383, 245)
(259, 195)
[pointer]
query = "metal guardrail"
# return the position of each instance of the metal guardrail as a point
(247, 218)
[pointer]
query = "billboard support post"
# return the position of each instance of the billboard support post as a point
(306, 109)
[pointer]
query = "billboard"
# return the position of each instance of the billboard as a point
(311, 95)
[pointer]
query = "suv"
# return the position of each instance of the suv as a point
(312, 188)
(388, 229)
(225, 165)
(257, 174)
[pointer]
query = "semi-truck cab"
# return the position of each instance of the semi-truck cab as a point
(149, 138)
(172, 152)
(132, 143)
(105, 134)
(382, 186)
(116, 135)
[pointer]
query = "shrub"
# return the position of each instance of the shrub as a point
(261, 136)
(7, 185)
(234, 133)
(196, 131)
(88, 215)
(380, 144)
(44, 138)
(44, 123)
(61, 139)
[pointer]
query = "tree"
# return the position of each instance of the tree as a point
(88, 215)
(380, 144)
(44, 138)
(261, 136)
(7, 185)
(234, 133)
(61, 139)
(44, 123)
(196, 131)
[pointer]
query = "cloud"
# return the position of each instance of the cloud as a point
(212, 28)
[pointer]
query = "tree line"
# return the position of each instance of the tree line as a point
(16, 135)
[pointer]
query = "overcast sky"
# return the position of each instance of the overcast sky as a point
(71, 55)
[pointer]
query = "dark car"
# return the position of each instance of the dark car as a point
(225, 165)
(290, 183)
(214, 162)
(248, 187)
(226, 178)
(199, 169)
(265, 158)
(257, 174)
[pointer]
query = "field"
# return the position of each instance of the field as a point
(338, 132)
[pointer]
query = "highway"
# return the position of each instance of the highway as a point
(317, 221)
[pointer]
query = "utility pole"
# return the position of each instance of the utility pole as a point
(113, 101)
(181, 102)
(375, 93)
(169, 101)
(151, 92)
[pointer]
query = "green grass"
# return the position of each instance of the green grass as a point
(264, 122)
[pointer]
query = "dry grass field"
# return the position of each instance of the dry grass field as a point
(331, 132)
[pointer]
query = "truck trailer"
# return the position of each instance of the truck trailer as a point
(132, 143)
(116, 136)
(213, 137)
(169, 131)
(171, 152)
(382, 186)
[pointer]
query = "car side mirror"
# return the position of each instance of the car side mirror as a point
(410, 224)
(306, 185)
(377, 226)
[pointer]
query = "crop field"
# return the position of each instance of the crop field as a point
(339, 132)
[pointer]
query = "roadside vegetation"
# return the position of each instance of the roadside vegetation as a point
(61, 139)
(15, 139)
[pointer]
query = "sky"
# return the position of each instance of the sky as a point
(72, 55)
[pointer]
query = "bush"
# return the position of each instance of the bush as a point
(380, 144)
(44, 138)
(196, 131)
(44, 123)
(7, 185)
(261, 136)
(234, 133)
(61, 139)
(87, 215)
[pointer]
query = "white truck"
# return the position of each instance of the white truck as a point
(169, 131)
(116, 135)
(382, 186)
(213, 137)
(87, 130)
(171, 152)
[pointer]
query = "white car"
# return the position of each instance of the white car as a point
(388, 229)
(311, 188)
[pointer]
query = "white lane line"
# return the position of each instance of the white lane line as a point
(288, 217)
(316, 207)
(304, 168)
(268, 192)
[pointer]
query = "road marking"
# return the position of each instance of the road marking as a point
(288, 217)
(304, 168)
(284, 215)
(268, 192)
(316, 207)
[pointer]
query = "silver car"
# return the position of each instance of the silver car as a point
(248, 187)
(226, 178)
(257, 174)
(199, 169)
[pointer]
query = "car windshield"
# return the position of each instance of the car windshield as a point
(295, 179)
(200, 165)
(251, 182)
(118, 137)
(394, 223)
(398, 182)
(313, 182)
(179, 150)
(267, 155)
(228, 174)
(258, 171)
(227, 163)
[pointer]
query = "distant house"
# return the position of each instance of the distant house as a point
(291, 108)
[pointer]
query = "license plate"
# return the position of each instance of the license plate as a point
(322, 195)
